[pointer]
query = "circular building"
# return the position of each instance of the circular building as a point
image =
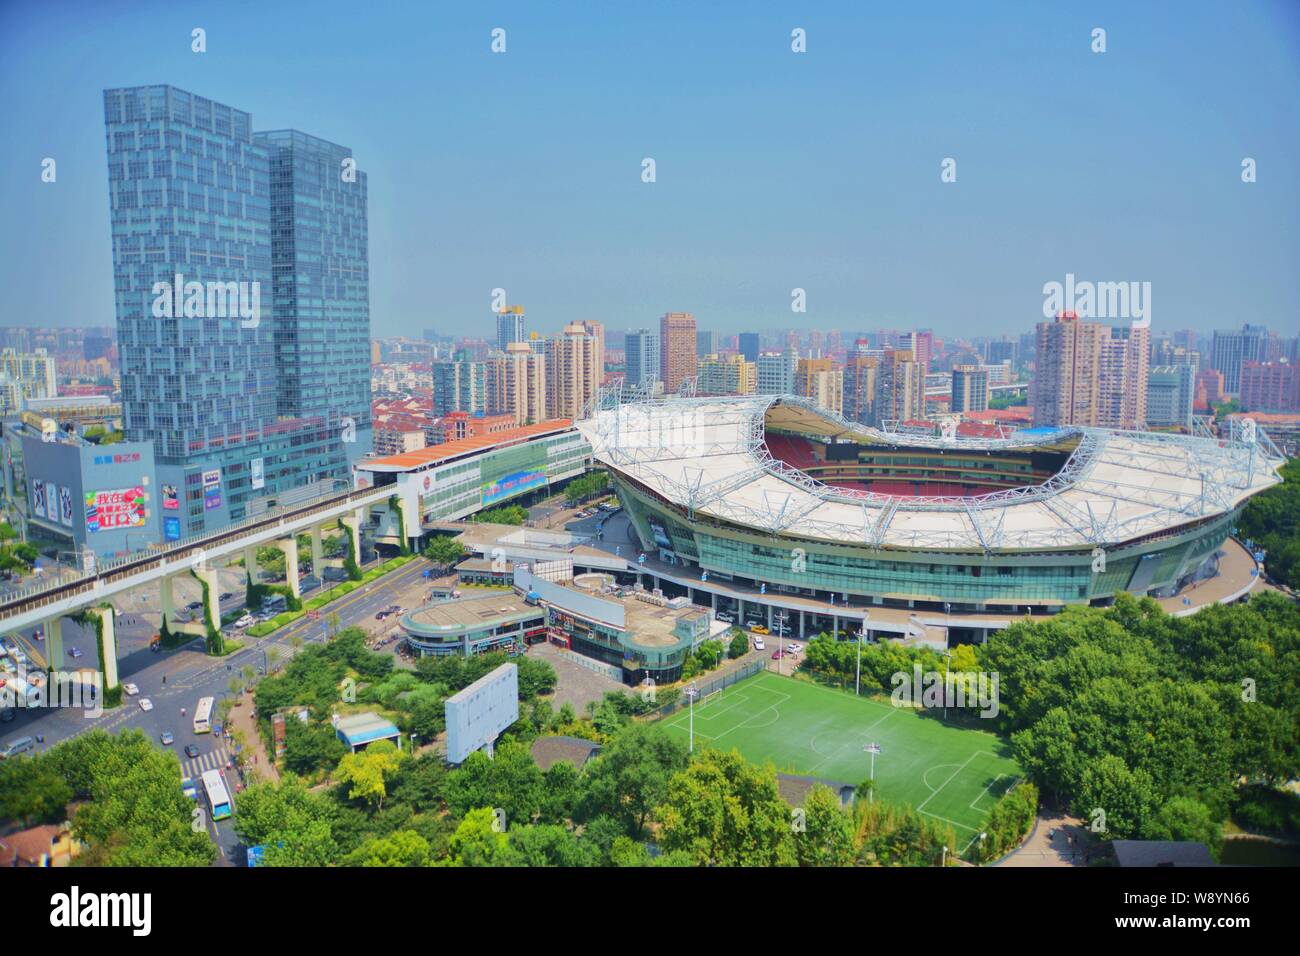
(775, 493)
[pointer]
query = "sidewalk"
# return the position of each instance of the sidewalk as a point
(241, 718)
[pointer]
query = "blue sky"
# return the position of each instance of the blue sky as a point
(774, 170)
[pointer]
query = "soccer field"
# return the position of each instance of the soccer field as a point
(946, 772)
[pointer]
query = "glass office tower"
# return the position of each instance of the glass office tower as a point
(321, 268)
(200, 258)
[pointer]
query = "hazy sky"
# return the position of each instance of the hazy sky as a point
(775, 170)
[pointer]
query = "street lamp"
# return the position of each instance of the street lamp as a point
(947, 657)
(691, 693)
(873, 748)
(857, 683)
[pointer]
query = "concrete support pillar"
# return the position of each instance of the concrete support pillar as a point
(740, 611)
(108, 638)
(167, 600)
(769, 617)
(835, 626)
(289, 546)
(212, 599)
(802, 624)
(53, 644)
(250, 564)
(713, 601)
(353, 523)
(317, 552)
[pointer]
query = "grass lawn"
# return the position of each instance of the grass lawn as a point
(950, 773)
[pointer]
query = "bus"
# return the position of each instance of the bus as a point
(218, 799)
(203, 716)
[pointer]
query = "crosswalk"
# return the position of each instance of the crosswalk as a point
(211, 760)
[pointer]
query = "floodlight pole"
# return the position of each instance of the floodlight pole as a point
(857, 683)
(872, 748)
(691, 693)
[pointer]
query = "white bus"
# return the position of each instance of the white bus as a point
(203, 716)
(218, 798)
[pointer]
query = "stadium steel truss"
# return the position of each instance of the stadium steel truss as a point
(709, 457)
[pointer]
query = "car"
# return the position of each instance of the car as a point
(245, 621)
(725, 618)
(382, 615)
(758, 644)
(777, 655)
(191, 750)
(759, 629)
(74, 652)
(194, 605)
(167, 738)
(130, 690)
(225, 596)
(146, 704)
(793, 648)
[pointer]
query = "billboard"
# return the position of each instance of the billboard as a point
(171, 498)
(477, 715)
(65, 506)
(257, 470)
(212, 489)
(171, 528)
(507, 486)
(38, 497)
(116, 508)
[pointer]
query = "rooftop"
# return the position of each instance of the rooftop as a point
(364, 728)
(465, 613)
(437, 454)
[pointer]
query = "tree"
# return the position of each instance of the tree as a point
(310, 747)
(629, 778)
(479, 841)
(369, 771)
(826, 837)
(33, 791)
(403, 848)
(444, 551)
(739, 645)
(509, 781)
(296, 826)
(724, 811)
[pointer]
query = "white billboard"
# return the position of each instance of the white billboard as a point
(477, 715)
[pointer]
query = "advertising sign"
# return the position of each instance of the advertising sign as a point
(118, 508)
(65, 506)
(259, 478)
(512, 484)
(171, 528)
(171, 498)
(38, 497)
(212, 489)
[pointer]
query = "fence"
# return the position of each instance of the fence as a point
(600, 667)
(706, 687)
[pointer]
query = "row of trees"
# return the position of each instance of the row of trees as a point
(585, 487)
(1272, 521)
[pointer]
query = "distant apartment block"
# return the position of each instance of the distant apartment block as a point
(641, 352)
(748, 343)
(574, 370)
(970, 389)
(1171, 393)
(1230, 349)
(1089, 374)
(776, 371)
(518, 384)
(1270, 387)
(510, 326)
(676, 350)
(726, 375)
(821, 381)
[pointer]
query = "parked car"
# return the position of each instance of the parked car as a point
(245, 621)
(726, 618)
(146, 704)
(759, 645)
(759, 629)
(167, 738)
(777, 655)
(130, 690)
(793, 648)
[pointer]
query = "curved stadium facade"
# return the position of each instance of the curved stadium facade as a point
(777, 493)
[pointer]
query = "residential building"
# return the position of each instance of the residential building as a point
(510, 326)
(1171, 393)
(970, 389)
(460, 386)
(1270, 387)
(573, 371)
(900, 388)
(32, 372)
(726, 375)
(749, 346)
(706, 343)
(1230, 349)
(821, 381)
(776, 371)
(676, 350)
(860, 369)
(641, 348)
(519, 384)
(1087, 373)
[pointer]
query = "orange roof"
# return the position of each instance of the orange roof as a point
(411, 460)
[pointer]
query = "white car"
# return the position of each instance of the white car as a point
(758, 644)
(130, 690)
(793, 648)
(146, 704)
(725, 618)
(245, 621)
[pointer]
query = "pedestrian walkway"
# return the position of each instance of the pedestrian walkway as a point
(212, 760)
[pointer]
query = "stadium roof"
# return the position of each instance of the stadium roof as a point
(709, 457)
(437, 454)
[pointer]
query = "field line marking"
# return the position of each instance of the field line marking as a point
(949, 780)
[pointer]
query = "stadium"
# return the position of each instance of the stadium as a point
(777, 495)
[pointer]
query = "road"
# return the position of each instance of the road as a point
(176, 679)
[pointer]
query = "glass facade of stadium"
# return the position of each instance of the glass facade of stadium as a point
(1002, 581)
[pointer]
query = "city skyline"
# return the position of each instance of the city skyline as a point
(861, 220)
